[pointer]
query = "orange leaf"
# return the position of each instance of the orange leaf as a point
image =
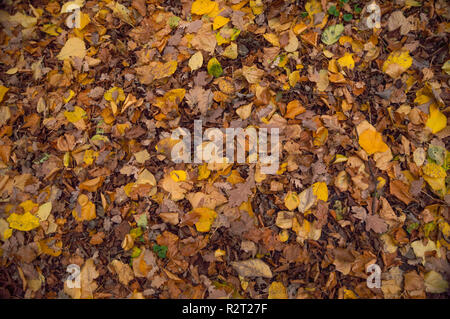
(91, 185)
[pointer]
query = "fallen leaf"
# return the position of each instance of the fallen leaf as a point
(252, 268)
(277, 291)
(74, 47)
(123, 271)
(196, 61)
(372, 142)
(397, 63)
(24, 222)
(332, 34)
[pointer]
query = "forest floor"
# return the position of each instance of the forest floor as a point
(93, 203)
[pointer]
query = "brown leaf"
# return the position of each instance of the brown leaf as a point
(242, 191)
(376, 224)
(401, 190)
(200, 99)
(252, 268)
(123, 271)
(92, 185)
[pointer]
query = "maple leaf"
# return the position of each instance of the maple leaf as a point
(242, 191)
(375, 223)
(200, 99)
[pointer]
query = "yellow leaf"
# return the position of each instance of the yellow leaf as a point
(320, 190)
(170, 100)
(5, 231)
(294, 77)
(283, 236)
(121, 128)
(178, 175)
(25, 222)
(435, 176)
(161, 70)
(87, 209)
(436, 120)
(291, 200)
(84, 20)
(120, 11)
(203, 172)
(349, 294)
(12, 71)
(445, 228)
(68, 96)
(28, 206)
(196, 61)
(340, 159)
(272, 38)
(76, 115)
(89, 156)
(372, 142)
(235, 178)
(313, 7)
(397, 63)
(74, 47)
(201, 7)
(231, 51)
(433, 170)
(292, 45)
(219, 253)
(381, 182)
(206, 218)
(66, 159)
(257, 6)
(446, 67)
(3, 90)
(219, 22)
(277, 291)
(320, 136)
(347, 61)
(44, 211)
(51, 246)
(115, 94)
